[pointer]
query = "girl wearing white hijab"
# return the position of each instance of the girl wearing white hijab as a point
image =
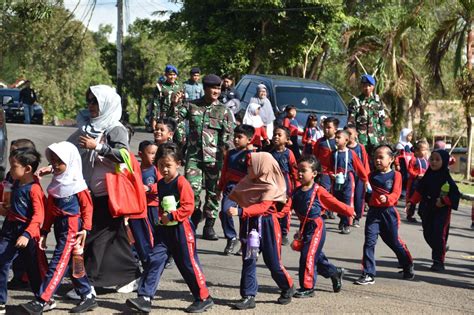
(252, 118)
(266, 109)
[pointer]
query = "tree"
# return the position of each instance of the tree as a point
(456, 30)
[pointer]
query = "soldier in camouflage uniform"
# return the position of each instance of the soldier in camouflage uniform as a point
(367, 113)
(164, 91)
(210, 131)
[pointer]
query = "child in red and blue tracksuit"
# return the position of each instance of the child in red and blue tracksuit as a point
(173, 236)
(21, 228)
(291, 123)
(308, 201)
(323, 150)
(405, 154)
(438, 194)
(383, 218)
(345, 163)
(234, 169)
(289, 168)
(311, 134)
(359, 190)
(416, 169)
(69, 208)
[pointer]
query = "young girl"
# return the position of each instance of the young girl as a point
(308, 201)
(69, 208)
(416, 169)
(405, 154)
(383, 217)
(260, 194)
(311, 134)
(174, 236)
(21, 228)
(252, 118)
(291, 123)
(438, 194)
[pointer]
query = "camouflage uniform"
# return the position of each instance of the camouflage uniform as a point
(210, 129)
(162, 97)
(368, 115)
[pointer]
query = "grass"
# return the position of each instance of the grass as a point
(465, 189)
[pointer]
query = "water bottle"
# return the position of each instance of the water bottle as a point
(369, 188)
(169, 204)
(339, 181)
(7, 192)
(129, 232)
(253, 245)
(444, 190)
(78, 269)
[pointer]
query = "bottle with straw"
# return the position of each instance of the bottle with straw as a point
(169, 204)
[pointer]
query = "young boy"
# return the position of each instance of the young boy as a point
(287, 162)
(345, 164)
(234, 169)
(323, 151)
(359, 190)
(291, 123)
(416, 169)
(164, 130)
(383, 217)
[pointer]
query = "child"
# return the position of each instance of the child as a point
(164, 130)
(234, 169)
(252, 118)
(323, 152)
(289, 168)
(405, 154)
(174, 236)
(291, 123)
(441, 145)
(311, 134)
(308, 201)
(69, 208)
(359, 190)
(438, 194)
(416, 169)
(260, 194)
(21, 228)
(383, 217)
(346, 165)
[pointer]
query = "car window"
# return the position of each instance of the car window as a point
(309, 99)
(6, 99)
(242, 86)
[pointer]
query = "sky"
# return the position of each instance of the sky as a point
(105, 11)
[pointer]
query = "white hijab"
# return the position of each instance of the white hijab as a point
(403, 137)
(251, 117)
(71, 181)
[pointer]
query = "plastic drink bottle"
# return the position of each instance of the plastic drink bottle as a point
(78, 269)
(253, 245)
(169, 204)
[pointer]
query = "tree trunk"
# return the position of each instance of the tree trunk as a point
(467, 100)
(323, 61)
(314, 66)
(139, 114)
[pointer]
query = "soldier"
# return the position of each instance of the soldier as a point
(164, 91)
(192, 88)
(367, 113)
(210, 131)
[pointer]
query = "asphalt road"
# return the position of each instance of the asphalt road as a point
(449, 292)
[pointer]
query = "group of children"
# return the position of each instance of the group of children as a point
(261, 188)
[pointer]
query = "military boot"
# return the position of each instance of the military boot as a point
(208, 232)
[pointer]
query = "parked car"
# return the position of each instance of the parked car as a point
(14, 112)
(309, 97)
(3, 144)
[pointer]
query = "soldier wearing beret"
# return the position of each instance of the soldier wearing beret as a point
(164, 92)
(367, 113)
(210, 131)
(192, 88)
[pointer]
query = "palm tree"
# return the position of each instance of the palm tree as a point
(456, 30)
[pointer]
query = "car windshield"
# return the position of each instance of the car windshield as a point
(309, 99)
(9, 96)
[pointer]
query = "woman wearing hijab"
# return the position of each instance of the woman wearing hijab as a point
(108, 256)
(252, 118)
(266, 109)
(261, 194)
(438, 194)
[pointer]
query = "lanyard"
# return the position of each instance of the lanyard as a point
(347, 162)
(313, 196)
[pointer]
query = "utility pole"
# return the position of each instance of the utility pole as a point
(120, 58)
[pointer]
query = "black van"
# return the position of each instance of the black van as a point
(309, 97)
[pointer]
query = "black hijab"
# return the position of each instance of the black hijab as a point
(432, 181)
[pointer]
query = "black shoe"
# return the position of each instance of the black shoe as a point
(286, 295)
(472, 225)
(284, 240)
(337, 280)
(324, 216)
(169, 263)
(437, 266)
(412, 220)
(346, 230)
(304, 293)
(331, 215)
(208, 232)
(17, 284)
(196, 218)
(239, 252)
(200, 306)
(229, 248)
(33, 307)
(409, 272)
(85, 305)
(139, 304)
(365, 279)
(356, 223)
(245, 303)
(340, 226)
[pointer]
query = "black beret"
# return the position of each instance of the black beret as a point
(195, 70)
(211, 80)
